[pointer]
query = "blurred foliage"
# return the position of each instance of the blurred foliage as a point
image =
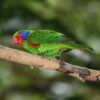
(77, 19)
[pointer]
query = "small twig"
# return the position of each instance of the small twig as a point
(22, 57)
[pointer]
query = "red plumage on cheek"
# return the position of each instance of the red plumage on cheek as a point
(18, 40)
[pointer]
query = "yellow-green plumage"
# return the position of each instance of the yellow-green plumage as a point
(52, 44)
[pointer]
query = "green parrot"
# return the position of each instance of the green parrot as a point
(49, 44)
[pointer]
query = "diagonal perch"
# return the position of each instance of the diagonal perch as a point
(22, 57)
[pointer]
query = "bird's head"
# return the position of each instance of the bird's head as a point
(20, 36)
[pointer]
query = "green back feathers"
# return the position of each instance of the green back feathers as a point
(45, 36)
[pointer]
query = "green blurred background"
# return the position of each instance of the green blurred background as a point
(77, 19)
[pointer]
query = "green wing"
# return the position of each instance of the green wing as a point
(49, 37)
(45, 36)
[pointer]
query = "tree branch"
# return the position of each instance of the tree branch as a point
(22, 57)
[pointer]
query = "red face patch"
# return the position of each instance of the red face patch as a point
(18, 40)
(34, 44)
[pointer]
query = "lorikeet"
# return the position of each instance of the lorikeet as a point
(47, 43)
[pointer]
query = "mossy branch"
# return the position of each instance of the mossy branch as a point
(21, 57)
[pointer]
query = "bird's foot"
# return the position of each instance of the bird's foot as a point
(41, 54)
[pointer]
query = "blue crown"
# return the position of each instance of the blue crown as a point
(25, 35)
